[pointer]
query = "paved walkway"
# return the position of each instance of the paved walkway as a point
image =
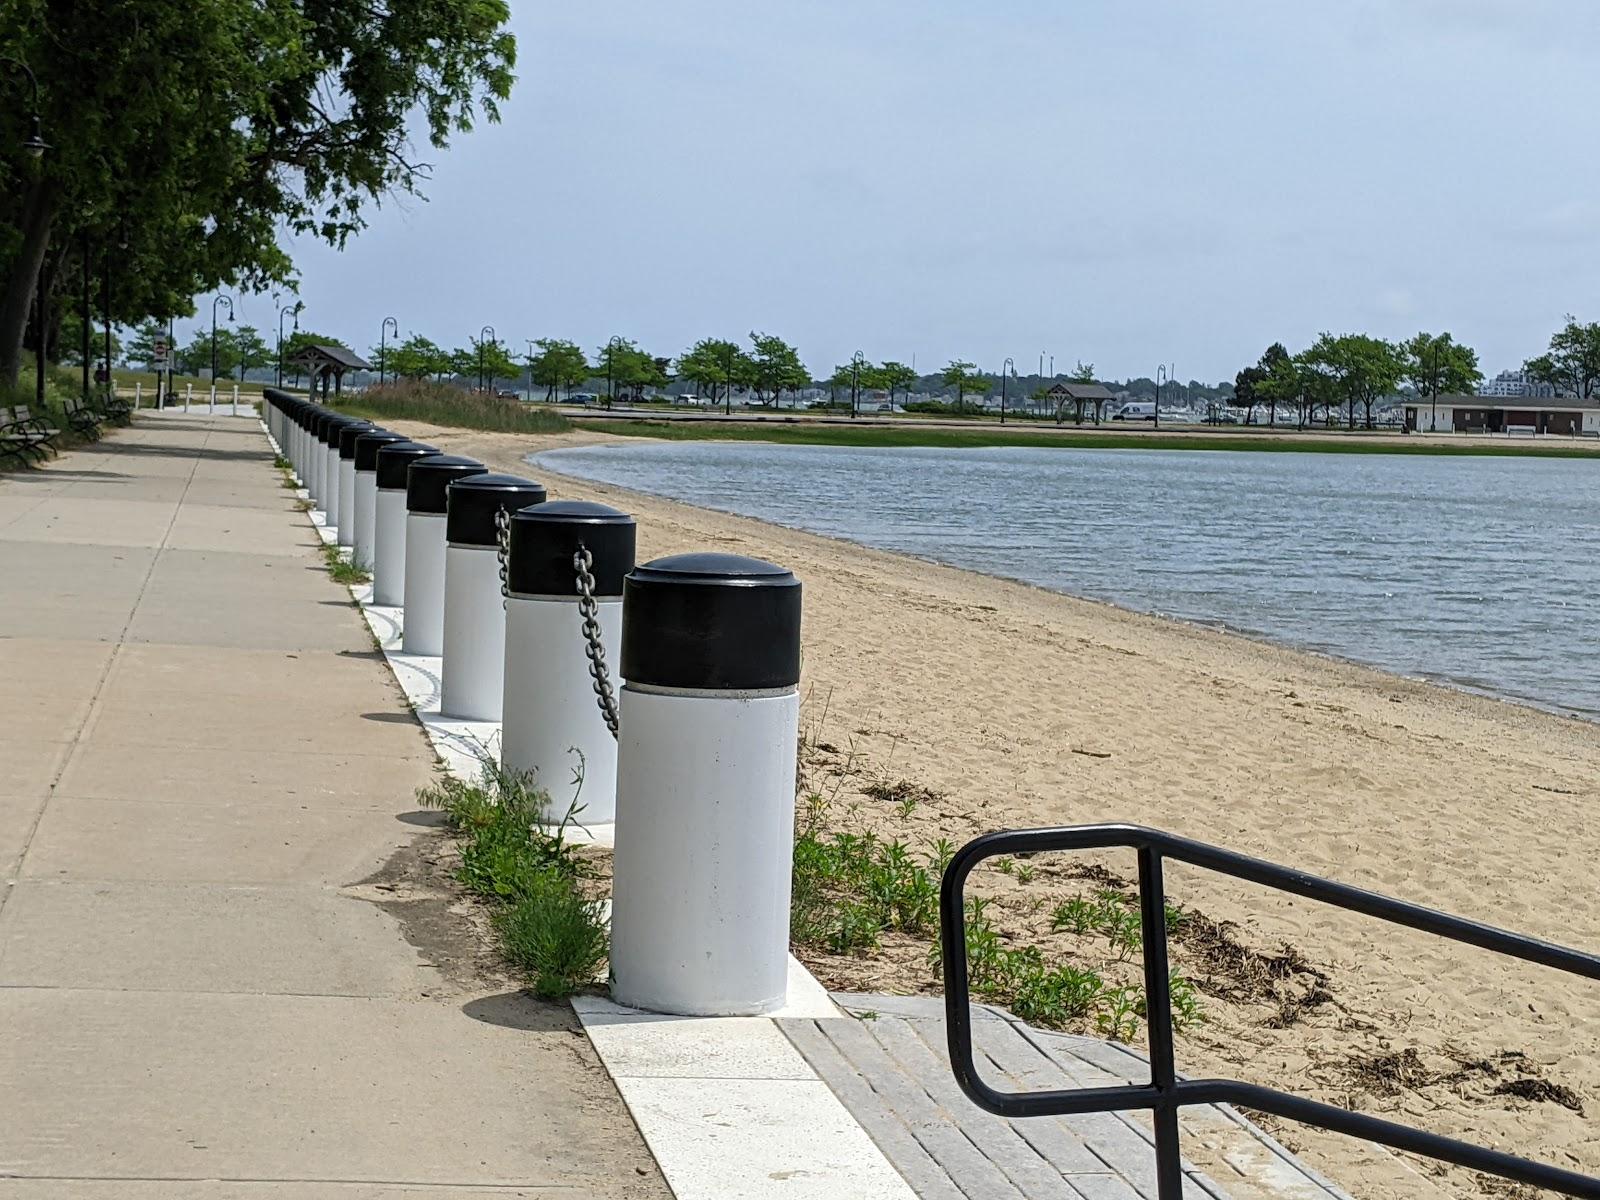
(201, 759)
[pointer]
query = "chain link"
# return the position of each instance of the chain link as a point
(502, 541)
(590, 611)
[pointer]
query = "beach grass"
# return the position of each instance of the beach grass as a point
(817, 434)
(440, 404)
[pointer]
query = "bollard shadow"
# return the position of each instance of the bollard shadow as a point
(369, 655)
(390, 718)
(521, 1010)
(424, 818)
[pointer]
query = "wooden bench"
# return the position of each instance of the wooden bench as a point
(113, 408)
(23, 436)
(83, 418)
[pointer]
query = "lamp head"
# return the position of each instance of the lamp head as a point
(35, 145)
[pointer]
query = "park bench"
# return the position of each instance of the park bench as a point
(83, 418)
(23, 436)
(114, 408)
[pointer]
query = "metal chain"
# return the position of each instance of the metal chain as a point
(590, 611)
(502, 540)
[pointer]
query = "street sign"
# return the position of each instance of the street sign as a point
(158, 355)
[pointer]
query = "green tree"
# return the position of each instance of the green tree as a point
(417, 358)
(713, 363)
(775, 368)
(1572, 364)
(495, 363)
(1255, 384)
(558, 364)
(964, 377)
(141, 347)
(892, 375)
(1437, 363)
(251, 350)
(1364, 368)
(843, 377)
(69, 339)
(261, 117)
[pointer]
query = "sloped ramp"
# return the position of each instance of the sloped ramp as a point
(889, 1068)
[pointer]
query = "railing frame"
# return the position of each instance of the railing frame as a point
(1165, 1094)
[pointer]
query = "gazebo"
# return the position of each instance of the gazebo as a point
(325, 362)
(1079, 394)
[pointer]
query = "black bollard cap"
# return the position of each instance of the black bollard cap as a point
(368, 443)
(348, 436)
(475, 499)
(395, 459)
(545, 537)
(325, 421)
(331, 431)
(428, 478)
(711, 621)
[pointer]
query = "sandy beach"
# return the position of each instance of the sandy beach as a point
(1017, 707)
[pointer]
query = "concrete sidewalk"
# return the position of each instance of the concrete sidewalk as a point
(214, 883)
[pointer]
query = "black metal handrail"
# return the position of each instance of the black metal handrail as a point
(1165, 1094)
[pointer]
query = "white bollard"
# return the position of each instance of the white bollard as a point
(705, 786)
(138, 394)
(188, 395)
(389, 521)
(347, 480)
(427, 484)
(472, 676)
(235, 400)
(368, 443)
(211, 401)
(330, 468)
(316, 484)
(550, 720)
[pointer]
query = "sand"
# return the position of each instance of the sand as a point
(1019, 707)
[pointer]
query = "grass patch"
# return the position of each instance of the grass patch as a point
(801, 432)
(341, 569)
(441, 404)
(549, 930)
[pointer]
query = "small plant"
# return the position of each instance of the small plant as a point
(554, 935)
(1078, 915)
(1185, 1003)
(282, 463)
(341, 569)
(940, 854)
(1004, 865)
(1024, 873)
(1118, 1014)
(849, 889)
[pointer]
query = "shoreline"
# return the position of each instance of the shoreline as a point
(1006, 705)
(1215, 625)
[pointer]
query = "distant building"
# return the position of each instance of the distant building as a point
(1517, 383)
(1528, 416)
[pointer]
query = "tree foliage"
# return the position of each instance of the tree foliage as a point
(1364, 369)
(417, 358)
(716, 363)
(1572, 364)
(775, 368)
(1437, 364)
(965, 378)
(186, 137)
(558, 364)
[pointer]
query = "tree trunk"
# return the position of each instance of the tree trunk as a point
(37, 212)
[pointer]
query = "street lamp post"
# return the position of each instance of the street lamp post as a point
(383, 345)
(611, 369)
(485, 336)
(727, 384)
(216, 301)
(1433, 390)
(856, 361)
(294, 311)
(1007, 369)
(1161, 377)
(530, 370)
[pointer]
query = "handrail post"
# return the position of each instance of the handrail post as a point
(1158, 1020)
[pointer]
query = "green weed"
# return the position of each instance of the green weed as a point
(341, 569)
(512, 854)
(849, 889)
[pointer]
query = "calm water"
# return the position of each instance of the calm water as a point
(1483, 572)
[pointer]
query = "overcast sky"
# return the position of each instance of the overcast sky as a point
(1128, 182)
